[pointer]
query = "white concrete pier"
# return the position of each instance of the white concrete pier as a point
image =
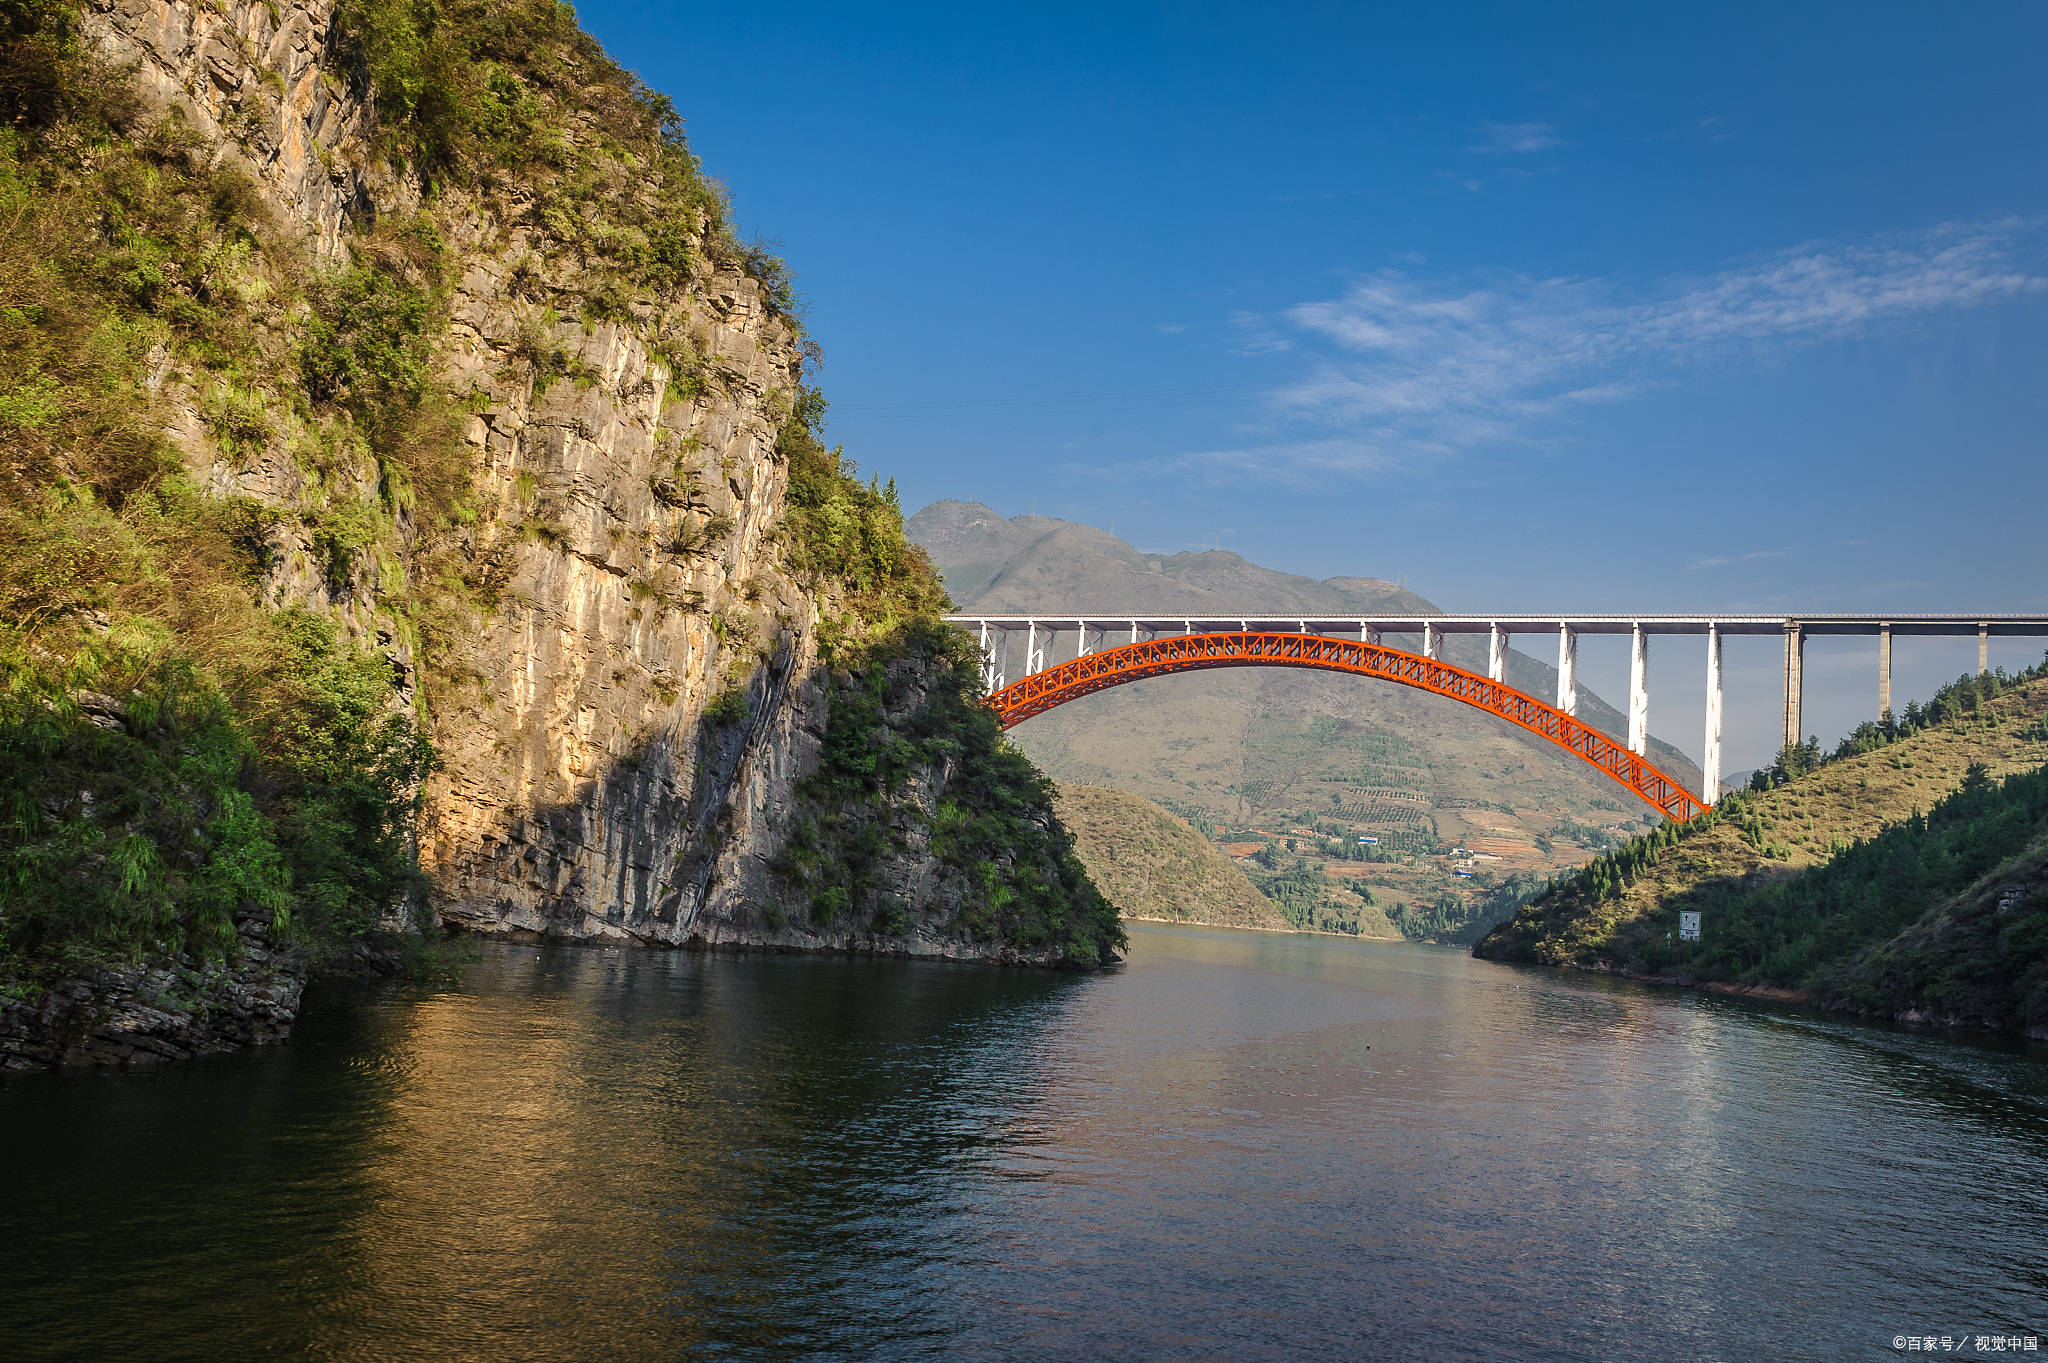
(1710, 748)
(1639, 692)
(1567, 669)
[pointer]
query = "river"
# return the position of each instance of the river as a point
(1237, 1146)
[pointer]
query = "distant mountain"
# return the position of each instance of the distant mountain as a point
(1256, 746)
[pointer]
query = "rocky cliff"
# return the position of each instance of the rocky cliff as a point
(447, 335)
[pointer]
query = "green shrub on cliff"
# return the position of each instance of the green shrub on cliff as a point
(144, 806)
(845, 538)
(339, 773)
(479, 93)
(127, 829)
(906, 703)
(1013, 869)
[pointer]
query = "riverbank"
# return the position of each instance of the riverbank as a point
(1973, 1026)
(1280, 931)
(1904, 879)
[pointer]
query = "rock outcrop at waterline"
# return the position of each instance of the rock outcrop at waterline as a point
(135, 1015)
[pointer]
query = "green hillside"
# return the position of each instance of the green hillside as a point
(1978, 956)
(1901, 878)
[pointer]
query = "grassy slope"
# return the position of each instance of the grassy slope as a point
(1153, 866)
(1740, 867)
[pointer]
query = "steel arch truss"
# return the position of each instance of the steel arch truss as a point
(1041, 691)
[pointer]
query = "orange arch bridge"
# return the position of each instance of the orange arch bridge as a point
(1093, 672)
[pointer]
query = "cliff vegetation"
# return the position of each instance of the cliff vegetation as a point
(173, 754)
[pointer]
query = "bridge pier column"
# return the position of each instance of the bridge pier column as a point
(1567, 669)
(1034, 656)
(1983, 648)
(1081, 643)
(1884, 671)
(1134, 631)
(1496, 653)
(1432, 639)
(1795, 682)
(988, 662)
(1710, 751)
(1638, 691)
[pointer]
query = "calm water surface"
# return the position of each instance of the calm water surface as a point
(1238, 1146)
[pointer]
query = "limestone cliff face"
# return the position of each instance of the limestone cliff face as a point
(261, 82)
(634, 535)
(626, 716)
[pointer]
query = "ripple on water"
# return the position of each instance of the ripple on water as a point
(1239, 1145)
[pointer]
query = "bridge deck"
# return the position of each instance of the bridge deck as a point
(1039, 632)
(1995, 624)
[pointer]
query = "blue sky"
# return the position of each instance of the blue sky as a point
(1621, 307)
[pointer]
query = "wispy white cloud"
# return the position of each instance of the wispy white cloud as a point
(1259, 335)
(1298, 463)
(1516, 139)
(1729, 560)
(1400, 369)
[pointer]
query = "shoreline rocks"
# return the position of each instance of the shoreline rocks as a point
(136, 1015)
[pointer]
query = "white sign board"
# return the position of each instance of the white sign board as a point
(1688, 926)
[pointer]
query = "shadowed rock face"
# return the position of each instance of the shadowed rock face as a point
(578, 772)
(626, 542)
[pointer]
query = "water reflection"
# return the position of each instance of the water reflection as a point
(1241, 1145)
